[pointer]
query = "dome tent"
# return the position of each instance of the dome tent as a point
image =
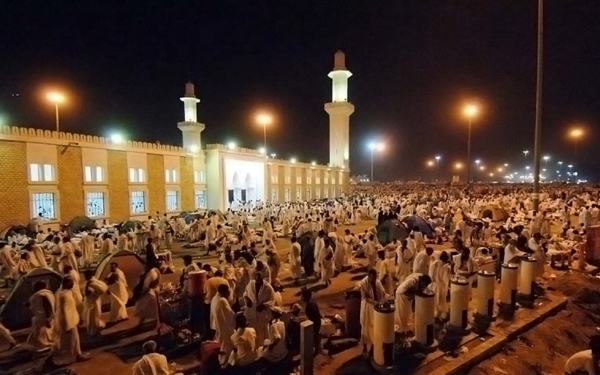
(494, 213)
(129, 262)
(390, 229)
(14, 314)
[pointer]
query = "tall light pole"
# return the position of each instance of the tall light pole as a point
(470, 110)
(437, 167)
(525, 152)
(56, 98)
(537, 149)
(264, 119)
(576, 134)
(373, 146)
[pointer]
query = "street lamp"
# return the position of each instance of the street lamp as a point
(437, 167)
(526, 152)
(375, 146)
(470, 111)
(56, 98)
(264, 119)
(576, 134)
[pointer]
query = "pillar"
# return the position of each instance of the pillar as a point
(508, 286)
(484, 306)
(425, 318)
(459, 304)
(527, 279)
(307, 347)
(383, 335)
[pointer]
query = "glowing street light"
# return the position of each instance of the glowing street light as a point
(264, 119)
(379, 146)
(56, 98)
(231, 145)
(313, 163)
(293, 160)
(262, 150)
(437, 167)
(117, 138)
(458, 165)
(470, 110)
(576, 134)
(194, 149)
(430, 163)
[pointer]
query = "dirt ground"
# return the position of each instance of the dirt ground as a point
(541, 351)
(545, 348)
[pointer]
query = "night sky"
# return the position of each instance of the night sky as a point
(415, 63)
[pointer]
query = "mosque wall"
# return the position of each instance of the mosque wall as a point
(14, 199)
(63, 175)
(186, 167)
(70, 176)
(118, 186)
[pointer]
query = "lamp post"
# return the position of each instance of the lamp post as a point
(375, 146)
(470, 110)
(437, 168)
(576, 134)
(264, 119)
(537, 147)
(526, 152)
(56, 98)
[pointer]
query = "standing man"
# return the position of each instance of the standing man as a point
(439, 271)
(295, 260)
(222, 320)
(87, 249)
(405, 294)
(371, 292)
(259, 297)
(107, 245)
(67, 348)
(41, 305)
(188, 266)
(92, 304)
(146, 306)
(422, 261)
(117, 289)
(404, 261)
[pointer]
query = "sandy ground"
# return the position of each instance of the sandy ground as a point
(542, 350)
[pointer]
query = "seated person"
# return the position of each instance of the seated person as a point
(275, 349)
(586, 361)
(209, 353)
(244, 343)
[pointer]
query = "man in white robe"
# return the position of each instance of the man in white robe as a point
(38, 257)
(151, 363)
(319, 245)
(41, 305)
(371, 292)
(8, 259)
(404, 261)
(405, 294)
(387, 271)
(92, 303)
(67, 346)
(439, 271)
(119, 294)
(67, 254)
(68, 271)
(146, 306)
(108, 246)
(259, 297)
(222, 320)
(422, 261)
(188, 266)
(87, 249)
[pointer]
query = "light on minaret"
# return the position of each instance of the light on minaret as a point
(339, 111)
(189, 103)
(339, 78)
(191, 129)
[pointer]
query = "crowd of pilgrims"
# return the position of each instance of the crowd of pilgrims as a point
(242, 302)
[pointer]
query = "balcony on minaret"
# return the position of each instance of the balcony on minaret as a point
(190, 128)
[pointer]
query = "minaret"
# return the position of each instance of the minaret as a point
(339, 111)
(190, 128)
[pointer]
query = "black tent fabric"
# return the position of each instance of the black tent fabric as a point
(81, 223)
(128, 262)
(14, 314)
(390, 229)
(417, 221)
(128, 225)
(18, 229)
(307, 254)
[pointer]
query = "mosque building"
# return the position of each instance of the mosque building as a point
(63, 175)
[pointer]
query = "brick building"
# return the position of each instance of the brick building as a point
(62, 175)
